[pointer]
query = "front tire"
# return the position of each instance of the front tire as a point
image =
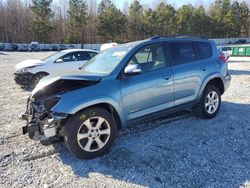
(90, 133)
(209, 105)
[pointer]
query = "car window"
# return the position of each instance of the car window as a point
(226, 48)
(54, 56)
(182, 52)
(106, 61)
(70, 57)
(205, 49)
(144, 56)
(83, 56)
(150, 58)
(92, 54)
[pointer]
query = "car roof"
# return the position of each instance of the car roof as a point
(77, 50)
(130, 44)
(159, 38)
(178, 37)
(181, 39)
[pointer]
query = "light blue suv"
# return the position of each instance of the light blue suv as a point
(125, 85)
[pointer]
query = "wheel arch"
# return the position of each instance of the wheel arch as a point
(218, 83)
(216, 80)
(110, 108)
(40, 72)
(35, 74)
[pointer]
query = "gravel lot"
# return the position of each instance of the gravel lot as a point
(176, 151)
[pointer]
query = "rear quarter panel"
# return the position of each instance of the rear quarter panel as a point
(217, 69)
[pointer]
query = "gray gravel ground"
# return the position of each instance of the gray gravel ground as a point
(176, 151)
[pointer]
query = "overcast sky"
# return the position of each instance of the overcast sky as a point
(175, 3)
(152, 3)
(123, 4)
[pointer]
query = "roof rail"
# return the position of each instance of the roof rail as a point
(176, 36)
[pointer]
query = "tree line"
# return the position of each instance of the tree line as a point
(83, 21)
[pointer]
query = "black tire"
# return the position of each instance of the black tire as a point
(201, 110)
(37, 77)
(74, 124)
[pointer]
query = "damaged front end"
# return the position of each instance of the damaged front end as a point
(43, 124)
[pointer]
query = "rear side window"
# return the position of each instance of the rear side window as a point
(182, 52)
(92, 54)
(83, 56)
(205, 49)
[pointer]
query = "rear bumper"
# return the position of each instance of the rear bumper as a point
(227, 81)
(23, 78)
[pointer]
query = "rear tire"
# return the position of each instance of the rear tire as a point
(209, 104)
(90, 133)
(37, 77)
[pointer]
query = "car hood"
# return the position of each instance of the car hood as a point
(51, 85)
(29, 63)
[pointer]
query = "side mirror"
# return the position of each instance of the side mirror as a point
(133, 69)
(59, 61)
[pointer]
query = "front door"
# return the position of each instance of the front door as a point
(152, 90)
(71, 62)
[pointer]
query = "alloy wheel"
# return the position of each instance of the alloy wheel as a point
(93, 134)
(212, 102)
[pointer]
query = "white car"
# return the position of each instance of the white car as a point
(226, 50)
(30, 72)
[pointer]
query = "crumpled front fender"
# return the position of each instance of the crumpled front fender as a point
(74, 101)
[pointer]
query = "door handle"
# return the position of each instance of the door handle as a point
(167, 77)
(204, 68)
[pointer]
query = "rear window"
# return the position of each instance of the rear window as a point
(182, 52)
(226, 49)
(205, 49)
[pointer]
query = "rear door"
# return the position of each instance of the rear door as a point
(69, 62)
(189, 68)
(152, 90)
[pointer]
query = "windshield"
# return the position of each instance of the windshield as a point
(106, 61)
(54, 56)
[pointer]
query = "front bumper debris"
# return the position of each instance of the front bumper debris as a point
(23, 78)
(41, 125)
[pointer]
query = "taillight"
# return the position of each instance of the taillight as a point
(223, 57)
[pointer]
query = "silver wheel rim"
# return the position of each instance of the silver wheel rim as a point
(93, 134)
(212, 102)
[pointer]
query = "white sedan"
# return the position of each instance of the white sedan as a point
(30, 72)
